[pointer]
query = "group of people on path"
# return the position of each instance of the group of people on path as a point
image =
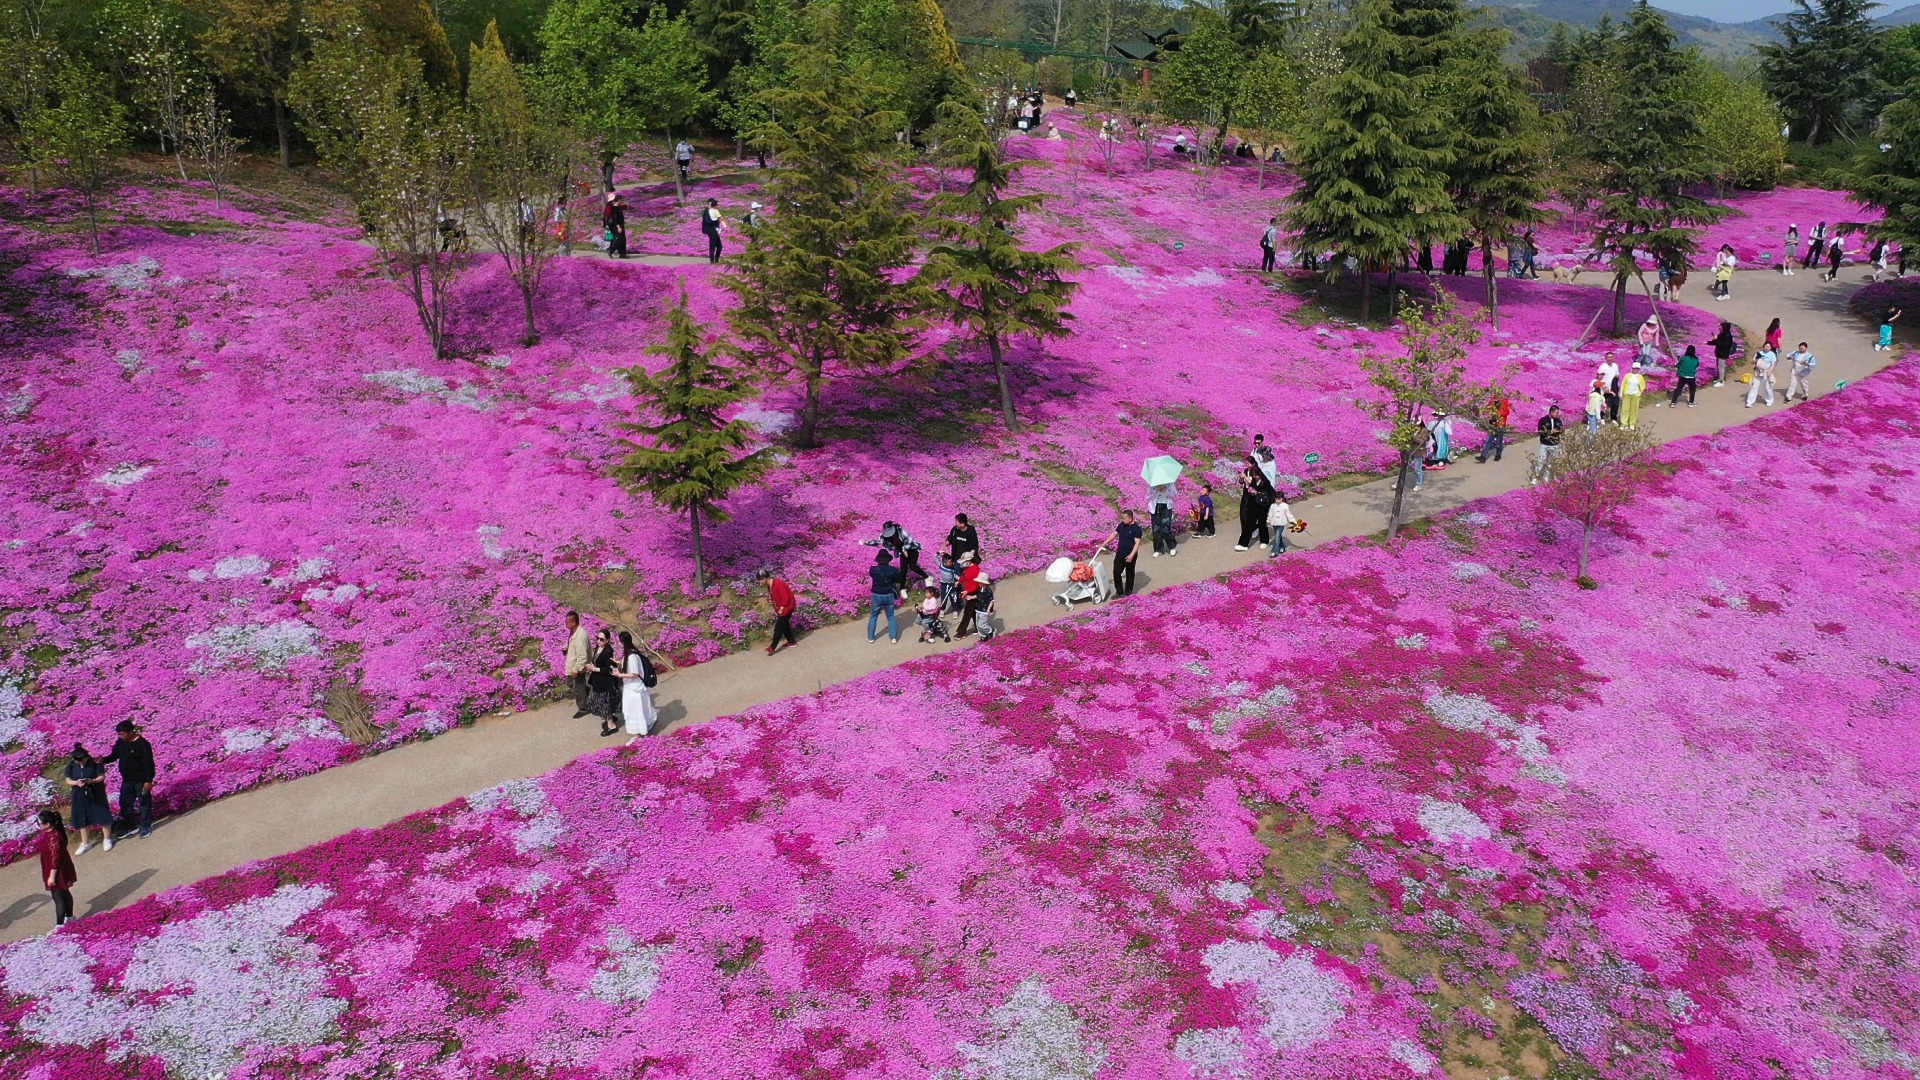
(616, 688)
(85, 778)
(961, 583)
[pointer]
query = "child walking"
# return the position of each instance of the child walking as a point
(1202, 512)
(1886, 331)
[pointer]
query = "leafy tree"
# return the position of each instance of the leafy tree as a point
(1647, 152)
(394, 142)
(167, 81)
(690, 460)
(254, 46)
(1822, 65)
(1373, 162)
(1140, 110)
(907, 51)
(1497, 179)
(591, 64)
(1887, 176)
(774, 23)
(979, 272)
(1429, 375)
(818, 297)
(78, 139)
(519, 166)
(1597, 474)
(1258, 24)
(1202, 80)
(208, 136)
(30, 58)
(1267, 103)
(1740, 130)
(671, 79)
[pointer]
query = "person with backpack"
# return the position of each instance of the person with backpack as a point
(785, 603)
(637, 680)
(710, 224)
(1267, 241)
(1836, 253)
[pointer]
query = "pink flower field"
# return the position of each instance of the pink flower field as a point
(1417, 810)
(245, 505)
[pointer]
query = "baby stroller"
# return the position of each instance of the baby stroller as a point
(1086, 582)
(933, 628)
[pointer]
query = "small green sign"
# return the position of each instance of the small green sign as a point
(1841, 385)
(1179, 245)
(1311, 458)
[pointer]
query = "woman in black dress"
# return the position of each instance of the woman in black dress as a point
(86, 779)
(602, 680)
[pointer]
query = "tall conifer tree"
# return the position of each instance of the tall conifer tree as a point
(1498, 177)
(1822, 66)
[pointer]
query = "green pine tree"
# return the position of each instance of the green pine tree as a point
(816, 282)
(1888, 175)
(1498, 178)
(1269, 101)
(1822, 66)
(1373, 161)
(690, 458)
(979, 273)
(1648, 151)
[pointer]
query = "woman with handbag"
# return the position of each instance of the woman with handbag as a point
(602, 679)
(56, 866)
(637, 680)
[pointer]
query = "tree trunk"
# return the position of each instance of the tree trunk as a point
(1399, 494)
(93, 224)
(282, 129)
(1261, 172)
(808, 436)
(1366, 294)
(180, 159)
(1058, 7)
(1586, 535)
(532, 336)
(1000, 377)
(699, 559)
(1493, 282)
(1393, 291)
(1619, 300)
(606, 171)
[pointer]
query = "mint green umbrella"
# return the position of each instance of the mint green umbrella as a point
(1161, 470)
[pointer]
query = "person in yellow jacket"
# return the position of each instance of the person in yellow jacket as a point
(1632, 385)
(579, 659)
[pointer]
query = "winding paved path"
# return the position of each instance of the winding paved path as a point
(284, 817)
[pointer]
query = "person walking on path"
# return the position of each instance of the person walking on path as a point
(1788, 249)
(56, 866)
(1816, 247)
(1160, 502)
(1722, 352)
(885, 593)
(637, 680)
(1763, 363)
(603, 681)
(614, 222)
(135, 755)
(710, 224)
(683, 160)
(1632, 385)
(970, 581)
(1499, 419)
(963, 539)
(1125, 539)
(579, 657)
(784, 605)
(1267, 241)
(86, 781)
(1203, 511)
(1686, 377)
(1256, 494)
(1551, 428)
(1773, 335)
(1800, 365)
(1608, 374)
(1836, 252)
(1723, 266)
(1596, 406)
(1886, 330)
(1279, 518)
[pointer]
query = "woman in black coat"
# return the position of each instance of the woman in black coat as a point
(1722, 352)
(603, 680)
(1256, 496)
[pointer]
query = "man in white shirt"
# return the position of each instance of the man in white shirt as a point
(1763, 363)
(1609, 375)
(683, 157)
(1800, 364)
(1268, 240)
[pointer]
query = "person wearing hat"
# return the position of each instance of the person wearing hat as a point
(752, 219)
(86, 781)
(902, 547)
(615, 220)
(135, 755)
(1632, 385)
(885, 596)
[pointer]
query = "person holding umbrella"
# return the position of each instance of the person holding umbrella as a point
(1160, 473)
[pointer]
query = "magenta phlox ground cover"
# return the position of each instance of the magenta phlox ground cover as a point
(1364, 811)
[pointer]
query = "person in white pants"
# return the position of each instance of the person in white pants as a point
(1800, 365)
(1763, 363)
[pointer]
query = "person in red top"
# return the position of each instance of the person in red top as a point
(969, 595)
(784, 603)
(56, 866)
(1499, 417)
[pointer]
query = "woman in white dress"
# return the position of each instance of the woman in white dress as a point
(637, 679)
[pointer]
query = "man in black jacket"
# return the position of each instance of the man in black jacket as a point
(135, 755)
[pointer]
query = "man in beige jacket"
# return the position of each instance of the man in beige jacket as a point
(578, 659)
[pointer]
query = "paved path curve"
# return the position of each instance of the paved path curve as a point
(286, 816)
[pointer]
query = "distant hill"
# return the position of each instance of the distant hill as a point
(1901, 17)
(1532, 20)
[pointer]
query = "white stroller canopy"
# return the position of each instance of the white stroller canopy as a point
(1061, 571)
